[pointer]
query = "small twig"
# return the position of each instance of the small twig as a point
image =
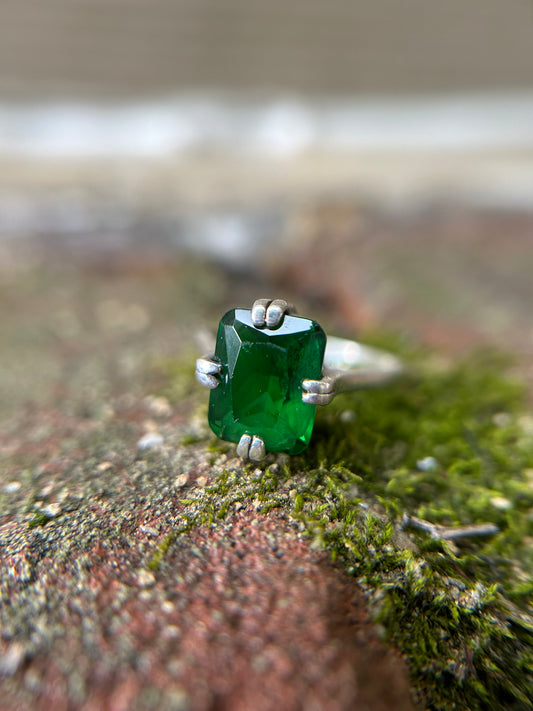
(450, 533)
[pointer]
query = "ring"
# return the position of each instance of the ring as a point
(270, 370)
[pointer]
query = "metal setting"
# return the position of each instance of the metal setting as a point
(257, 449)
(347, 366)
(243, 448)
(208, 372)
(251, 448)
(268, 313)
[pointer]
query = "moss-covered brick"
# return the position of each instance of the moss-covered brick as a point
(452, 445)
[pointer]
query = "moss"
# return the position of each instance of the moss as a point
(447, 609)
(40, 518)
(161, 550)
(448, 445)
(188, 439)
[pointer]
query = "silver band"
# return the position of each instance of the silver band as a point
(349, 365)
(353, 365)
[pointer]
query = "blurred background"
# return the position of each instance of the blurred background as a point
(159, 160)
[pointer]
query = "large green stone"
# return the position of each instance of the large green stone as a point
(261, 382)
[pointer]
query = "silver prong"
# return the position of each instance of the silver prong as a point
(208, 381)
(208, 365)
(208, 371)
(243, 448)
(318, 392)
(257, 449)
(317, 398)
(323, 386)
(275, 312)
(259, 310)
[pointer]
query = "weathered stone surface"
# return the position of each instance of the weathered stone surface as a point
(139, 578)
(240, 614)
(105, 605)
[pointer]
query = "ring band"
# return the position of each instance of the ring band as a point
(352, 365)
(271, 368)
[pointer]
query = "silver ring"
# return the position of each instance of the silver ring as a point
(350, 365)
(271, 368)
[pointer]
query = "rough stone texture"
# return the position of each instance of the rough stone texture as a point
(241, 613)
(107, 601)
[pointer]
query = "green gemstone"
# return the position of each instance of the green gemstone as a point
(260, 392)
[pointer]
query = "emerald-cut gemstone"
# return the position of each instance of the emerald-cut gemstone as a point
(260, 392)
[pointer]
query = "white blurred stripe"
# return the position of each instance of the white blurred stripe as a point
(273, 127)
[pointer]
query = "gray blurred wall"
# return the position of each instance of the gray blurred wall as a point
(336, 46)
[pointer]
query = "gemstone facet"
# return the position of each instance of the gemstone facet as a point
(260, 390)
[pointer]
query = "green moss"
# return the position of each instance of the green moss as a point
(461, 616)
(161, 550)
(39, 519)
(448, 610)
(188, 439)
